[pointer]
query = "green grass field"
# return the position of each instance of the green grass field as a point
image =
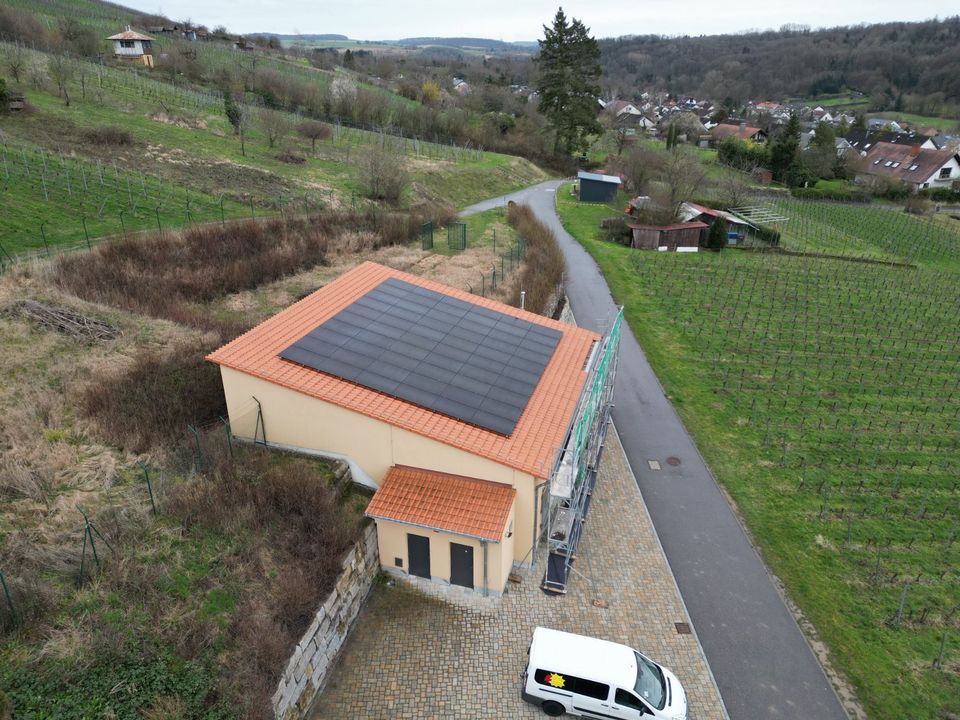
(183, 149)
(823, 394)
(944, 125)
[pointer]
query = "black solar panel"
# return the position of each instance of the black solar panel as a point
(444, 354)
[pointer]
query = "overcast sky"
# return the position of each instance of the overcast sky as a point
(523, 19)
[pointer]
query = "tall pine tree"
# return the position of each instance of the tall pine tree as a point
(569, 64)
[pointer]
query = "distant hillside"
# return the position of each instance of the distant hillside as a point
(908, 66)
(303, 38)
(468, 42)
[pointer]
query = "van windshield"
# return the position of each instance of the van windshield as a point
(651, 685)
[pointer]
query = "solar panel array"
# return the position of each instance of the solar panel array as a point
(444, 354)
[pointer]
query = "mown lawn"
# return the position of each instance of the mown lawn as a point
(823, 394)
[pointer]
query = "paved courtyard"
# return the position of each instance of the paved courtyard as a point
(414, 655)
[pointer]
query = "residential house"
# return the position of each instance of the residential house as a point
(918, 167)
(741, 131)
(454, 407)
(861, 139)
(881, 123)
(132, 46)
(461, 86)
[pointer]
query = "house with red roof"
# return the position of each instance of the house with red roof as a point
(455, 408)
(913, 165)
(742, 131)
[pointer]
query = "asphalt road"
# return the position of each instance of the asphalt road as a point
(759, 657)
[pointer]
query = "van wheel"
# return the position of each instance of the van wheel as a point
(553, 709)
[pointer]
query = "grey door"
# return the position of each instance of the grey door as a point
(418, 555)
(461, 565)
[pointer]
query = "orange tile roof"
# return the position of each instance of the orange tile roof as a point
(457, 504)
(538, 433)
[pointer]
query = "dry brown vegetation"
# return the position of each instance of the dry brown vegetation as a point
(542, 273)
(172, 275)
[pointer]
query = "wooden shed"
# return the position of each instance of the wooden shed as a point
(681, 236)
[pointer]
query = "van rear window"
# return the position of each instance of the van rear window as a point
(570, 683)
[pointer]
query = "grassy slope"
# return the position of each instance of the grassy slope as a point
(206, 159)
(828, 584)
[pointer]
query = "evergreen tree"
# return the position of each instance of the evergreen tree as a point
(232, 110)
(717, 238)
(783, 151)
(569, 64)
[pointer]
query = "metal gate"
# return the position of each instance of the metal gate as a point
(426, 236)
(457, 236)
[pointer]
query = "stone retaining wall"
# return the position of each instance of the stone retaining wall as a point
(314, 655)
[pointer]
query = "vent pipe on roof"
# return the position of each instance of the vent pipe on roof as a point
(523, 297)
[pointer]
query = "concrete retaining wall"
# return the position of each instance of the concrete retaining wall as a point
(314, 655)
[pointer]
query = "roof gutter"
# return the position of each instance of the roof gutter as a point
(435, 529)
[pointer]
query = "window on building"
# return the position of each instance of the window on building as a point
(877, 162)
(912, 167)
(888, 163)
(944, 173)
(127, 44)
(896, 164)
(580, 686)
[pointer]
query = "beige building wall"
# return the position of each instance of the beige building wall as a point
(298, 420)
(392, 540)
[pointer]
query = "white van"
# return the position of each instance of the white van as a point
(592, 678)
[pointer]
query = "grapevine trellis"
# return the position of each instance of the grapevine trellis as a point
(841, 379)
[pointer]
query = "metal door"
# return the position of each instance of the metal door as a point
(418, 555)
(461, 565)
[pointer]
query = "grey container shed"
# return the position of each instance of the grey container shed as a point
(597, 188)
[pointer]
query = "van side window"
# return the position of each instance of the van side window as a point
(581, 686)
(628, 699)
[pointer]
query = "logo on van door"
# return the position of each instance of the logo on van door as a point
(555, 680)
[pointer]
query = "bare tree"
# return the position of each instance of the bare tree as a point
(682, 175)
(62, 69)
(383, 172)
(313, 130)
(274, 125)
(640, 166)
(16, 62)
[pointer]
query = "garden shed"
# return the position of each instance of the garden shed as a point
(454, 407)
(131, 45)
(595, 187)
(679, 237)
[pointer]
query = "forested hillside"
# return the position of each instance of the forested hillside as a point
(904, 66)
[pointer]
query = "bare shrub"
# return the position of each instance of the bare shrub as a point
(543, 260)
(171, 275)
(152, 402)
(313, 130)
(108, 136)
(384, 173)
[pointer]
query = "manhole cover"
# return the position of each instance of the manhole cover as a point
(673, 460)
(682, 628)
(654, 464)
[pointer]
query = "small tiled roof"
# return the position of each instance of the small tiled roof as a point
(538, 434)
(129, 34)
(437, 500)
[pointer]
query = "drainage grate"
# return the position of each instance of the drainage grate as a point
(654, 464)
(673, 460)
(682, 628)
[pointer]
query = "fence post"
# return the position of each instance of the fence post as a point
(83, 219)
(146, 477)
(13, 609)
(43, 236)
(123, 226)
(196, 437)
(159, 227)
(226, 427)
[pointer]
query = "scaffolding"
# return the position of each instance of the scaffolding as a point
(575, 469)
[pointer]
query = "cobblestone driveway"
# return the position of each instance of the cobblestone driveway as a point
(413, 655)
